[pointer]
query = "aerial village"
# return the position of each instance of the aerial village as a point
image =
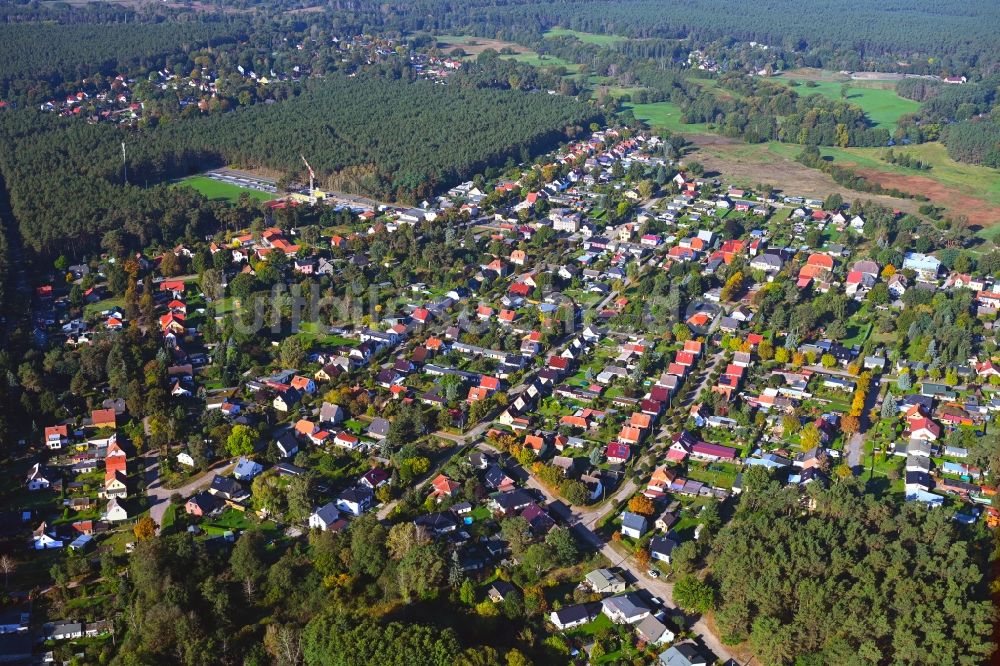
(630, 344)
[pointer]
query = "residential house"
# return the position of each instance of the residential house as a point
(115, 512)
(605, 581)
(247, 469)
(625, 609)
(355, 501)
(325, 518)
(202, 504)
(634, 525)
(685, 654)
(569, 617)
(654, 632)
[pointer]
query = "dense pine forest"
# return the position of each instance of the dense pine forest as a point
(390, 139)
(843, 35)
(51, 53)
(855, 581)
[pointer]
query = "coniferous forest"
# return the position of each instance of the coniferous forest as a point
(389, 139)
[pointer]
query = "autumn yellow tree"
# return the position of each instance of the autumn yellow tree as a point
(642, 505)
(145, 529)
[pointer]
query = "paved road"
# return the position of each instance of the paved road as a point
(855, 449)
(709, 368)
(159, 495)
(582, 520)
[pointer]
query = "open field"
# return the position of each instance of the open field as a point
(666, 115)
(774, 163)
(476, 45)
(962, 189)
(878, 98)
(217, 190)
(585, 37)
(542, 60)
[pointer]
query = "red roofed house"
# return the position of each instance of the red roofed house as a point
(534, 443)
(640, 420)
(172, 322)
(304, 384)
(693, 347)
(104, 418)
(712, 452)
(56, 436)
(477, 393)
(575, 422)
(987, 369)
(176, 286)
(421, 315)
(559, 363)
(618, 453)
(520, 289)
(630, 435)
(925, 429)
(684, 358)
(443, 487)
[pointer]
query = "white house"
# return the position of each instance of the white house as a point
(324, 517)
(38, 478)
(571, 616)
(355, 501)
(185, 458)
(115, 512)
(634, 525)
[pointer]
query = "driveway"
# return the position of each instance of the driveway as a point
(159, 495)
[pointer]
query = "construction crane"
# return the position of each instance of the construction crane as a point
(312, 179)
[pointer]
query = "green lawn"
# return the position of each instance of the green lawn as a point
(593, 627)
(216, 190)
(666, 115)
(311, 331)
(585, 37)
(229, 520)
(542, 60)
(169, 517)
(93, 309)
(878, 98)
(857, 335)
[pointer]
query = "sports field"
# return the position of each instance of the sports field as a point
(217, 190)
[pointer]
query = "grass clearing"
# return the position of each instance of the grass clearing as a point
(665, 115)
(878, 98)
(543, 60)
(219, 191)
(586, 37)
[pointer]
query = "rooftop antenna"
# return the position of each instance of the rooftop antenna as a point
(124, 165)
(312, 179)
